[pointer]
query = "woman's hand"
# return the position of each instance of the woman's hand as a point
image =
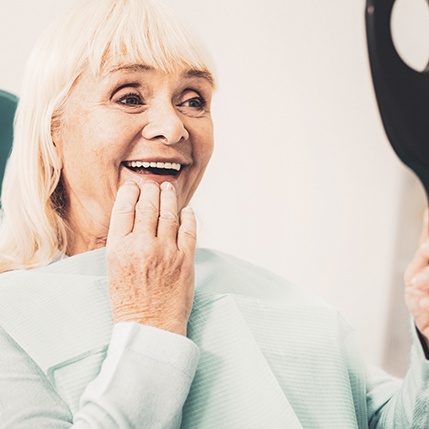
(150, 257)
(417, 283)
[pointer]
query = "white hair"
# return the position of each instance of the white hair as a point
(96, 34)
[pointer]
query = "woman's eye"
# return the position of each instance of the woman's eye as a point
(194, 103)
(131, 100)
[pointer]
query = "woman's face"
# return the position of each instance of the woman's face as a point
(130, 123)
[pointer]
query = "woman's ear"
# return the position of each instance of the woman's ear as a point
(56, 140)
(58, 161)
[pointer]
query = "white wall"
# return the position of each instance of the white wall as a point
(303, 180)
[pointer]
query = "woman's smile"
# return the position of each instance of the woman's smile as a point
(156, 169)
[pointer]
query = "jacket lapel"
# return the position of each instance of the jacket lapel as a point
(266, 363)
(234, 386)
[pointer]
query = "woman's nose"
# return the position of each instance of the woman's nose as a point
(164, 124)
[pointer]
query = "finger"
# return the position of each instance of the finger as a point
(420, 281)
(168, 222)
(187, 235)
(414, 299)
(123, 212)
(419, 261)
(147, 209)
(423, 303)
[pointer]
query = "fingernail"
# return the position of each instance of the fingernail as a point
(166, 186)
(420, 279)
(129, 183)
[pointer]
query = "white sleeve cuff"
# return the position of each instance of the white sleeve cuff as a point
(144, 380)
(154, 343)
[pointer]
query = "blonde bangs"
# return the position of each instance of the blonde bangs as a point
(144, 32)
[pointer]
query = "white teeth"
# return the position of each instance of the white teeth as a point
(145, 164)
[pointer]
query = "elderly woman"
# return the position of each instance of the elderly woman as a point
(113, 134)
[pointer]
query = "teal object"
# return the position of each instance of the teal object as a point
(8, 103)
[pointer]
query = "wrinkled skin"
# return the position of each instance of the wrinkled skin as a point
(150, 257)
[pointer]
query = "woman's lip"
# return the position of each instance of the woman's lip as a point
(153, 164)
(180, 161)
(148, 175)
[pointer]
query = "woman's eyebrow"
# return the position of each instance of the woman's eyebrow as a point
(132, 67)
(192, 73)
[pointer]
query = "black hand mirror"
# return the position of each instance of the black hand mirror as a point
(402, 93)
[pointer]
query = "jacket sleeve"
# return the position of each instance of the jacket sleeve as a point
(143, 382)
(396, 404)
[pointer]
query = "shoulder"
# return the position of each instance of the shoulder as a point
(219, 272)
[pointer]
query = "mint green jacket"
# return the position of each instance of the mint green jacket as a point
(260, 353)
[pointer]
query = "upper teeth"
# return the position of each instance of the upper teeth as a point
(168, 165)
